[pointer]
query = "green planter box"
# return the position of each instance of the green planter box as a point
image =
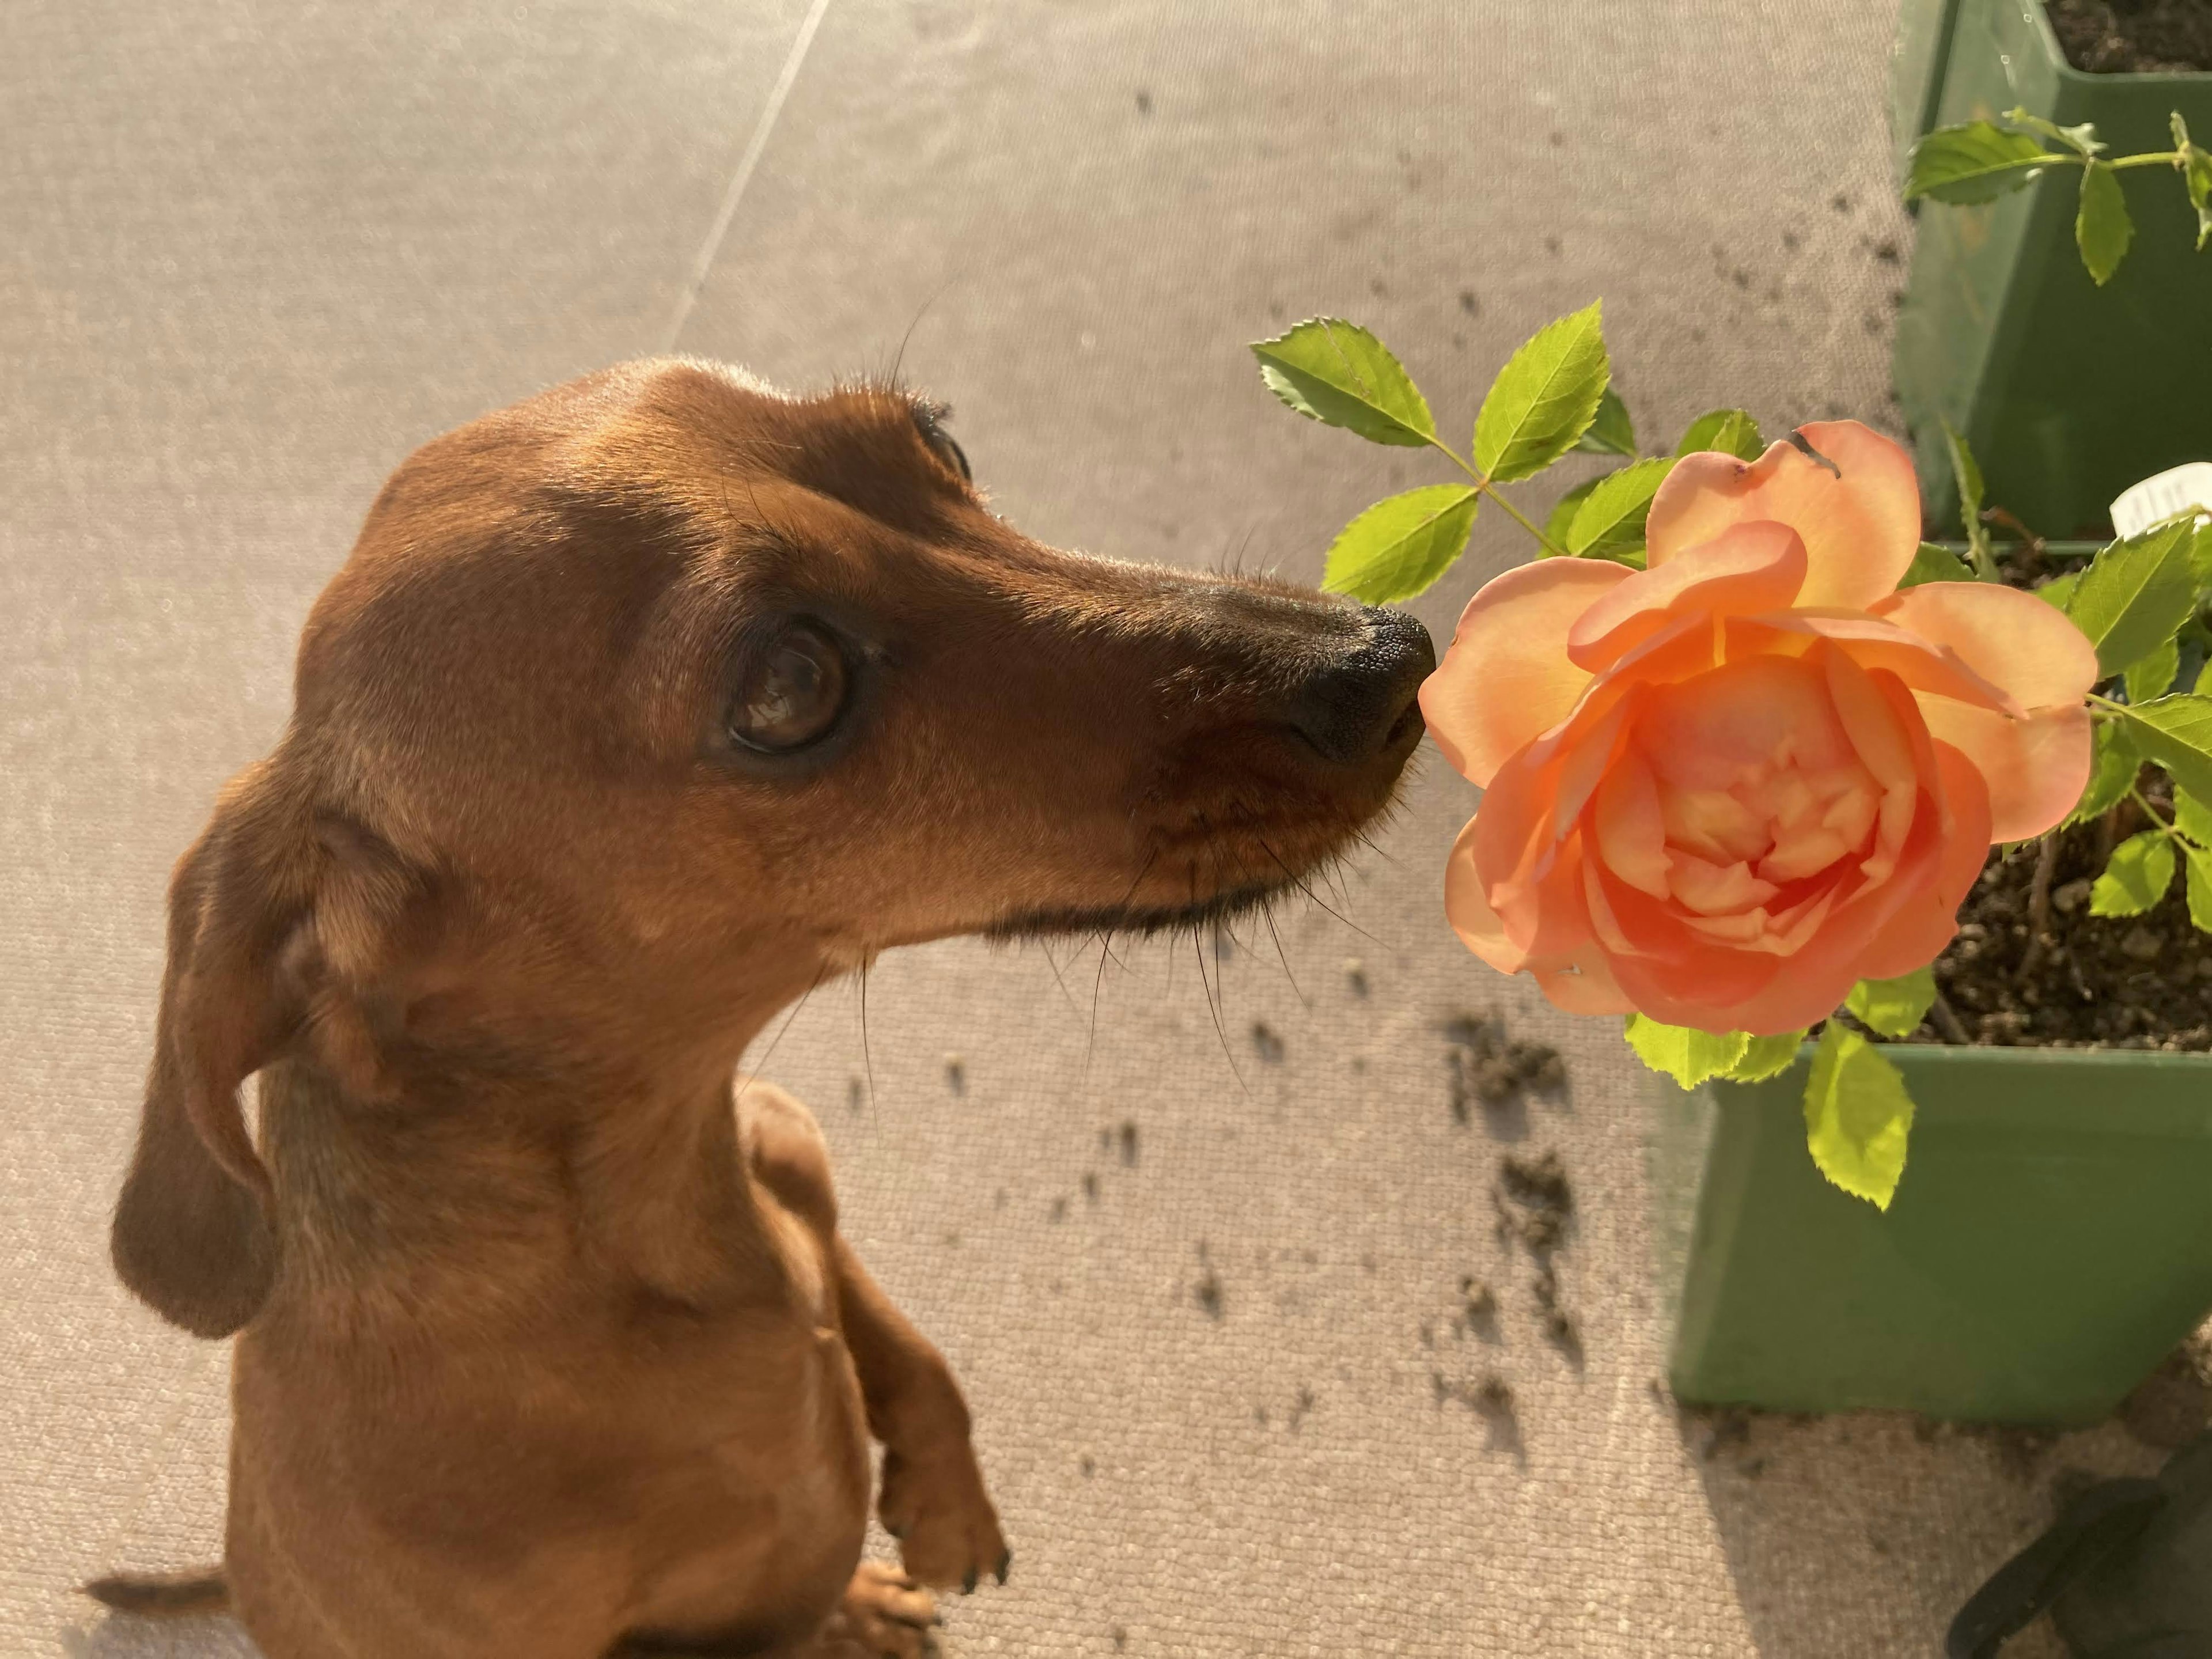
(1918, 60)
(2068, 392)
(2051, 1243)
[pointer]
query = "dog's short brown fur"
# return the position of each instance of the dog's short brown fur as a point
(545, 1351)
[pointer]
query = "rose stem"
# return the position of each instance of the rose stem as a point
(2038, 904)
(1947, 1022)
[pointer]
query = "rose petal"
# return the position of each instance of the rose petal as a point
(1918, 932)
(1507, 678)
(1468, 908)
(1747, 569)
(1628, 830)
(2014, 639)
(1873, 643)
(1861, 529)
(2034, 768)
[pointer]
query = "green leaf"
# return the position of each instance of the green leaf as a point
(2176, 732)
(1894, 1007)
(1544, 399)
(2135, 594)
(1765, 1057)
(2196, 166)
(2113, 765)
(1613, 515)
(2152, 676)
(2059, 590)
(2102, 230)
(1397, 547)
(2192, 818)
(1731, 431)
(1688, 1056)
(1858, 1116)
(1612, 432)
(1934, 563)
(2200, 554)
(1555, 527)
(2200, 889)
(2082, 140)
(2141, 870)
(1338, 373)
(1975, 161)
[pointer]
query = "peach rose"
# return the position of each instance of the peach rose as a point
(1722, 790)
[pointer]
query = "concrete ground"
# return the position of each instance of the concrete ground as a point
(256, 250)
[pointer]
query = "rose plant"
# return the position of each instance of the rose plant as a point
(1745, 740)
(1980, 161)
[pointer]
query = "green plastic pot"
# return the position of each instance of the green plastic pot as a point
(2067, 392)
(1918, 59)
(2050, 1241)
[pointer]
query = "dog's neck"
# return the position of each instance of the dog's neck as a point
(494, 1203)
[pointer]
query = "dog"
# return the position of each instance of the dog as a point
(638, 710)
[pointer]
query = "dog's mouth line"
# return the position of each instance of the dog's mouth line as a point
(1143, 920)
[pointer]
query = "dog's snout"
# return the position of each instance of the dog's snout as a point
(1362, 703)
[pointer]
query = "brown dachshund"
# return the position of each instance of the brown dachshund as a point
(640, 710)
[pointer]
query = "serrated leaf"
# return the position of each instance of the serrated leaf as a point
(1398, 547)
(1544, 399)
(2152, 676)
(1555, 527)
(2102, 229)
(2059, 590)
(2192, 818)
(1613, 517)
(1338, 373)
(1858, 1116)
(1729, 431)
(2200, 889)
(2140, 871)
(2082, 140)
(1974, 161)
(2135, 594)
(1934, 563)
(1893, 1007)
(2200, 554)
(2176, 732)
(1688, 1056)
(2113, 765)
(1765, 1057)
(1611, 432)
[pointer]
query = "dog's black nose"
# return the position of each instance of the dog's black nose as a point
(1362, 703)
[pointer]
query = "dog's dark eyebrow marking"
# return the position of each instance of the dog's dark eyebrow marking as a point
(929, 418)
(1797, 441)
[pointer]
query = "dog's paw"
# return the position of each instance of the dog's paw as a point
(885, 1615)
(937, 1508)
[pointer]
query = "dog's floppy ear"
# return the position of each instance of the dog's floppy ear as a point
(193, 1235)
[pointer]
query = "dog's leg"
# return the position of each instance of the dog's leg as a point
(933, 1501)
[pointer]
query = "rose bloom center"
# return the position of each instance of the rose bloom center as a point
(1738, 790)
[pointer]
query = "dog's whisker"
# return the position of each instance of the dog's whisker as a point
(1298, 882)
(1268, 915)
(752, 1076)
(867, 1057)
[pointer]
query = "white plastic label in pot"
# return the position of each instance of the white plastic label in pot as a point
(2162, 495)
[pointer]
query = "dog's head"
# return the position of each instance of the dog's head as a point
(645, 705)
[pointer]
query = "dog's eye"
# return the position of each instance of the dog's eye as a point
(791, 692)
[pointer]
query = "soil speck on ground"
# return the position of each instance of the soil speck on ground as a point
(1144, 102)
(1091, 1185)
(1060, 1209)
(956, 1074)
(1266, 1041)
(1130, 1141)
(1355, 977)
(1483, 1065)
(2133, 37)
